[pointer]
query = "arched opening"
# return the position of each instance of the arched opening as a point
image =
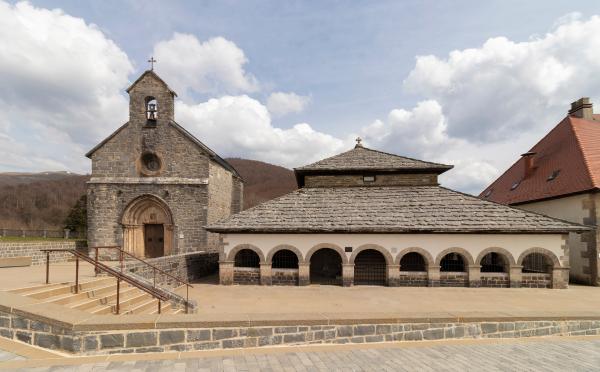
(285, 259)
(413, 270)
(413, 261)
(494, 270)
(148, 227)
(247, 258)
(151, 110)
(452, 262)
(537, 263)
(246, 267)
(284, 268)
(494, 263)
(453, 271)
(537, 271)
(370, 268)
(326, 267)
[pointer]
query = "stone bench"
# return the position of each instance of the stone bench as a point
(15, 261)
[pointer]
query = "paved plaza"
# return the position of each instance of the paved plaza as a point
(549, 354)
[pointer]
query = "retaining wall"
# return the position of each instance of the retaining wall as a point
(32, 249)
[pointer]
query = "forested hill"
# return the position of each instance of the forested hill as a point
(43, 200)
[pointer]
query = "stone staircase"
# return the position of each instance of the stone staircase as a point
(98, 296)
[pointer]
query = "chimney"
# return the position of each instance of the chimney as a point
(582, 108)
(528, 164)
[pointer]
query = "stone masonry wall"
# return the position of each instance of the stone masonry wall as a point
(246, 275)
(380, 180)
(32, 249)
(409, 279)
(451, 279)
(189, 267)
(50, 336)
(284, 276)
(536, 280)
(107, 202)
(495, 280)
(220, 194)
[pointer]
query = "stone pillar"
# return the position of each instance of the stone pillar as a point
(560, 278)
(226, 272)
(348, 275)
(433, 276)
(393, 275)
(303, 273)
(265, 273)
(474, 276)
(515, 276)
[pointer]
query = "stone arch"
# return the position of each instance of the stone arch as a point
(142, 211)
(284, 246)
(426, 255)
(239, 247)
(388, 256)
(335, 247)
(461, 251)
(549, 254)
(506, 254)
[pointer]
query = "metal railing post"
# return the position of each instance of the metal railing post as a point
(159, 306)
(187, 298)
(118, 293)
(96, 269)
(121, 259)
(47, 267)
(154, 275)
(76, 274)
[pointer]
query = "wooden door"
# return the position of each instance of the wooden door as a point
(154, 240)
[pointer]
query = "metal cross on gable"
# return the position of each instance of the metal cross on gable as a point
(152, 60)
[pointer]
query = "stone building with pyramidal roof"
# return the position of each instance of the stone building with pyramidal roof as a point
(369, 217)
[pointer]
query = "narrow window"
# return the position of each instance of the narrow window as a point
(151, 110)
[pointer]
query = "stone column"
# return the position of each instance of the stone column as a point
(515, 276)
(348, 275)
(265, 273)
(433, 276)
(226, 272)
(560, 278)
(393, 275)
(303, 273)
(474, 276)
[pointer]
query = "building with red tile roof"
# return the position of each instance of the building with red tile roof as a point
(560, 177)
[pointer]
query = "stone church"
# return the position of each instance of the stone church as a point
(154, 186)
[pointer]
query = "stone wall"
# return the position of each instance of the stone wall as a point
(409, 279)
(32, 249)
(189, 267)
(185, 336)
(454, 279)
(246, 275)
(284, 276)
(536, 280)
(495, 280)
(380, 180)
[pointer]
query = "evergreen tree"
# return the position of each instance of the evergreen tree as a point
(77, 218)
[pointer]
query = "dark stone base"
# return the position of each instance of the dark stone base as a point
(246, 276)
(284, 277)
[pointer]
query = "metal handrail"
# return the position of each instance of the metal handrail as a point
(98, 265)
(121, 252)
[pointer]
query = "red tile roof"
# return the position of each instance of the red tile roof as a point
(572, 148)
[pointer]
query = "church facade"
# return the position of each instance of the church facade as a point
(369, 217)
(154, 186)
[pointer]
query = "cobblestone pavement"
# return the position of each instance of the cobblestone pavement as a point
(555, 355)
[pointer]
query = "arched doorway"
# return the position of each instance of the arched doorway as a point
(148, 227)
(246, 267)
(326, 267)
(370, 268)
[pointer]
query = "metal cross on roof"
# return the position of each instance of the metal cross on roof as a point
(358, 141)
(152, 60)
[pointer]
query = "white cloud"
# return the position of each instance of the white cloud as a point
(505, 87)
(213, 66)
(61, 87)
(241, 126)
(280, 104)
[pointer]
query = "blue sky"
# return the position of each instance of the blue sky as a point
(354, 65)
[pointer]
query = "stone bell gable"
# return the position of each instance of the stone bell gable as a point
(154, 185)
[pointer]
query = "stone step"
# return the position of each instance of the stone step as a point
(86, 295)
(105, 299)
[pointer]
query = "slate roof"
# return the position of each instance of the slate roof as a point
(364, 159)
(399, 209)
(572, 148)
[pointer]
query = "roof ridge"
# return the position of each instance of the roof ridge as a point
(405, 157)
(583, 154)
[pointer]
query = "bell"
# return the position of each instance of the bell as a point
(152, 111)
